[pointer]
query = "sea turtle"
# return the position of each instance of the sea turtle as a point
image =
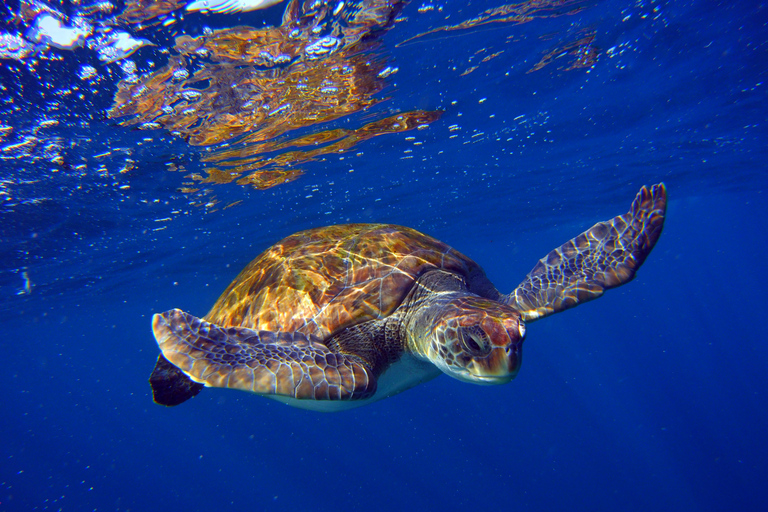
(340, 316)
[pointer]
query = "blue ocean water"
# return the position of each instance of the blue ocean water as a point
(651, 398)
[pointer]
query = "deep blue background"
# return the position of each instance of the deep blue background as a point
(651, 398)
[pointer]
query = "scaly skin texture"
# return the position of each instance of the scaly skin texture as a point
(262, 362)
(316, 285)
(603, 257)
(440, 321)
(468, 337)
(331, 313)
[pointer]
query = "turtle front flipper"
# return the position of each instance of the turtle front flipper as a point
(605, 256)
(268, 363)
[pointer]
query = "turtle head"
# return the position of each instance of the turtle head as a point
(477, 340)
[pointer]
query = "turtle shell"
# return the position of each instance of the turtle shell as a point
(320, 281)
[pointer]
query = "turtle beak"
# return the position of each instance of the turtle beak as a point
(503, 361)
(498, 367)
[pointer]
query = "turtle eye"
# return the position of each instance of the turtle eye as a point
(475, 342)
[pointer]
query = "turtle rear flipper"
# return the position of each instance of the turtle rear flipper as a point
(603, 257)
(170, 386)
(268, 363)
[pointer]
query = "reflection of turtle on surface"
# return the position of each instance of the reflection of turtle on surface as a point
(336, 317)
